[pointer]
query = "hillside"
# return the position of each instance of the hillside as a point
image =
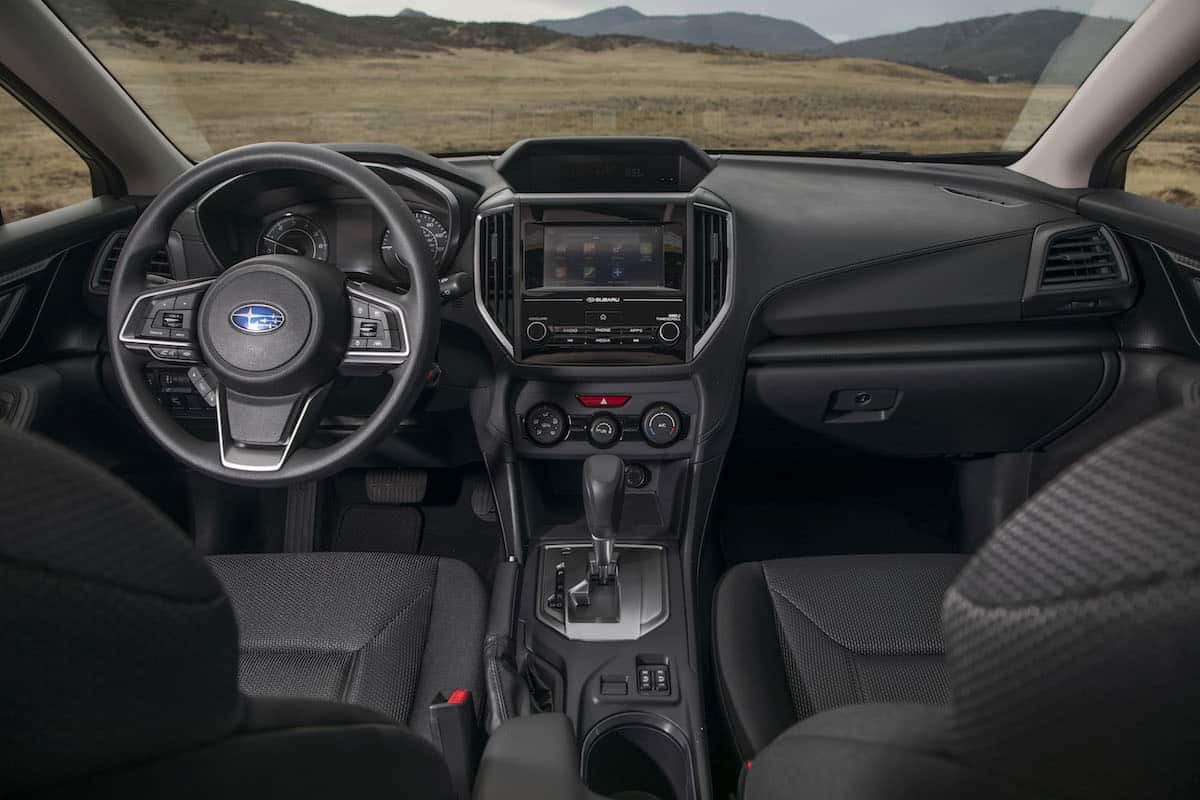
(277, 31)
(1010, 46)
(729, 29)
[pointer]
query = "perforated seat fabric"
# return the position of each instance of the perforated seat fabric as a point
(821, 633)
(121, 654)
(380, 630)
(1072, 650)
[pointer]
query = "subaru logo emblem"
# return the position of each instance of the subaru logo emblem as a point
(257, 318)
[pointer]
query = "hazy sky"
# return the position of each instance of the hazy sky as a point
(837, 19)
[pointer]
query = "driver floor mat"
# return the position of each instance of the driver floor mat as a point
(379, 529)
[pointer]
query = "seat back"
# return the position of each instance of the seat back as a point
(120, 662)
(1073, 636)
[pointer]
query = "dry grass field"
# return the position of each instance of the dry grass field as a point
(472, 100)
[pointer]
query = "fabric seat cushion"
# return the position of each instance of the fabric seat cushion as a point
(381, 630)
(871, 752)
(795, 637)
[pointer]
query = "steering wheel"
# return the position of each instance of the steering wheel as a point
(273, 332)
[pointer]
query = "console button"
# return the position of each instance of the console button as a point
(546, 424)
(602, 400)
(536, 331)
(661, 425)
(669, 332)
(602, 317)
(604, 430)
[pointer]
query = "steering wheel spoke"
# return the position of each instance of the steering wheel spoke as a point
(162, 322)
(257, 434)
(379, 334)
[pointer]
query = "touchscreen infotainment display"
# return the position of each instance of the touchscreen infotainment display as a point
(603, 256)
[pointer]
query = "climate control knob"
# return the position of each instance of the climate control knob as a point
(604, 430)
(669, 332)
(536, 331)
(546, 424)
(662, 424)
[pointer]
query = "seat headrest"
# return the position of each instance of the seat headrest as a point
(1073, 636)
(118, 642)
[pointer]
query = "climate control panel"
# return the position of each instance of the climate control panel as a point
(658, 425)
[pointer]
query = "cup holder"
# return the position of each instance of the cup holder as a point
(638, 757)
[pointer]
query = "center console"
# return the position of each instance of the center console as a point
(603, 275)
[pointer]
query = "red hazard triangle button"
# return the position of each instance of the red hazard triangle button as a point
(603, 400)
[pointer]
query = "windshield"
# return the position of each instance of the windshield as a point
(933, 77)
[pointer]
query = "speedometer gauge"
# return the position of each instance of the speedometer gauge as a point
(294, 235)
(437, 239)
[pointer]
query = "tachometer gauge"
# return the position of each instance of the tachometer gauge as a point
(437, 239)
(294, 235)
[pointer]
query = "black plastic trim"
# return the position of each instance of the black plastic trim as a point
(1109, 171)
(957, 342)
(105, 177)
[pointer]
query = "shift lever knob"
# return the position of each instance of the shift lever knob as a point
(603, 493)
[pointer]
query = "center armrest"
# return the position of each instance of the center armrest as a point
(532, 757)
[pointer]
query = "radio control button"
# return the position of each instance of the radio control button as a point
(669, 332)
(536, 331)
(568, 341)
(602, 317)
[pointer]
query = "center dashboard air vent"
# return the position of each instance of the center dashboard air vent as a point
(494, 275)
(1076, 269)
(713, 277)
(106, 262)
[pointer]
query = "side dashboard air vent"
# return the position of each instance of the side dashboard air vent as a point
(494, 272)
(713, 274)
(1078, 259)
(1076, 269)
(106, 262)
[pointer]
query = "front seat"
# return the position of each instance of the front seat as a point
(1072, 644)
(121, 658)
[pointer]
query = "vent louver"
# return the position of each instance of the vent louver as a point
(160, 262)
(1080, 258)
(494, 240)
(711, 285)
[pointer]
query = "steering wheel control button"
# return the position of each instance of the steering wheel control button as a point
(604, 430)
(669, 332)
(602, 400)
(662, 425)
(537, 331)
(546, 424)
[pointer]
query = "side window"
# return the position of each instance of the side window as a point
(38, 171)
(1166, 165)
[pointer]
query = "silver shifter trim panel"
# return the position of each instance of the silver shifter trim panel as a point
(644, 598)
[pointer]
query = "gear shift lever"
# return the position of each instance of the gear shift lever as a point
(603, 492)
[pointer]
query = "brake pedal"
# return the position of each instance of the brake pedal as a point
(397, 486)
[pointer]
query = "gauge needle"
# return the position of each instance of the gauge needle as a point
(278, 243)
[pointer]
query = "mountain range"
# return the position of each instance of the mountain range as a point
(1005, 47)
(728, 29)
